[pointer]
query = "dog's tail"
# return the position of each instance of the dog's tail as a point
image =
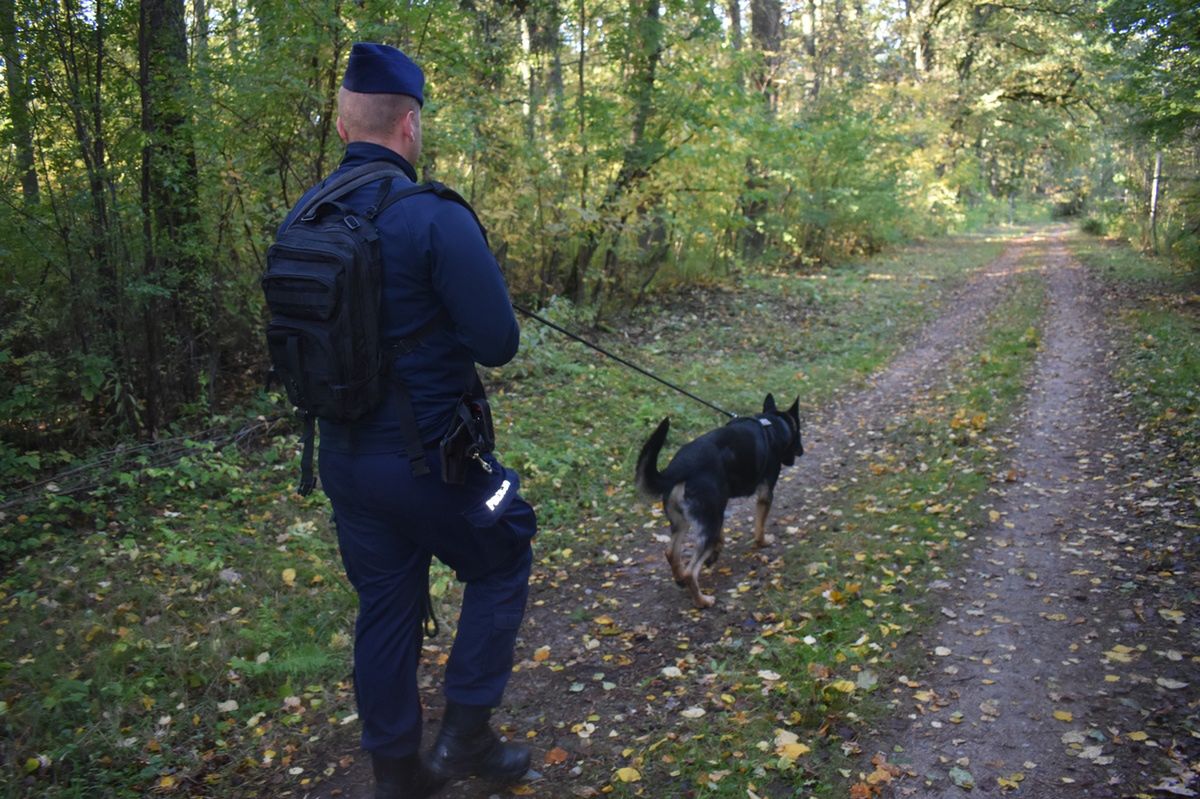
(649, 480)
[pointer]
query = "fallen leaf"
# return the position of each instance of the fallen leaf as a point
(628, 774)
(962, 778)
(1064, 715)
(792, 751)
(555, 756)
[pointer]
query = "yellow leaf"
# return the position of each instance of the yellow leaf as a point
(1120, 654)
(845, 686)
(521, 789)
(541, 653)
(166, 783)
(1064, 715)
(289, 577)
(628, 774)
(994, 516)
(793, 751)
(1137, 736)
(880, 776)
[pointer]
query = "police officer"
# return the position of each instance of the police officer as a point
(442, 289)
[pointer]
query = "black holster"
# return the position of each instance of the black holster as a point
(470, 436)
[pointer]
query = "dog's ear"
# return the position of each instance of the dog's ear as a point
(794, 413)
(769, 404)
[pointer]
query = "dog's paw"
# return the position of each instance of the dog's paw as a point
(705, 601)
(765, 541)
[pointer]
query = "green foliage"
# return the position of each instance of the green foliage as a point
(610, 155)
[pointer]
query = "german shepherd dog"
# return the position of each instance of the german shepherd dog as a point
(742, 458)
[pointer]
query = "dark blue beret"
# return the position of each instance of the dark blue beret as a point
(380, 69)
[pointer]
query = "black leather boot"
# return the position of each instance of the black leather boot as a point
(466, 746)
(404, 778)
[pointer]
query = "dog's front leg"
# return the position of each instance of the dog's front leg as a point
(762, 506)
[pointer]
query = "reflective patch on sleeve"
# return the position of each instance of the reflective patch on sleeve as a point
(494, 501)
(765, 422)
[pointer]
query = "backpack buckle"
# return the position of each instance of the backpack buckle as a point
(352, 222)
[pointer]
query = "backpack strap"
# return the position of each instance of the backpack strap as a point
(346, 183)
(307, 480)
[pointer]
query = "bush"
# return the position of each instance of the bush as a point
(1093, 226)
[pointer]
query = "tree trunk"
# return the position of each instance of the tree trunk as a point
(1154, 184)
(766, 28)
(170, 203)
(809, 21)
(642, 150)
(83, 73)
(18, 101)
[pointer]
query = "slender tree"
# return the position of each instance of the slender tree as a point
(170, 207)
(18, 100)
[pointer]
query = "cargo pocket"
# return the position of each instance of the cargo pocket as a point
(492, 496)
(505, 625)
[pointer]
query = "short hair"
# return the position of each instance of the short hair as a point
(372, 116)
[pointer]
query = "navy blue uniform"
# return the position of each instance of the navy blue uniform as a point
(390, 523)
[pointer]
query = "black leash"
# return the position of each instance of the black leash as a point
(622, 361)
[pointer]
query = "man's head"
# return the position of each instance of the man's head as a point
(380, 99)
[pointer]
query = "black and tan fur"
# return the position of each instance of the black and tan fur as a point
(742, 458)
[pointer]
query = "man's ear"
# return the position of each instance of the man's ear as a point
(343, 134)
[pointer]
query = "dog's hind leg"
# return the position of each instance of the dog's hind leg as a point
(680, 524)
(762, 506)
(707, 539)
(700, 599)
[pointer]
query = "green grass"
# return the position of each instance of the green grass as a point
(855, 588)
(186, 630)
(1158, 306)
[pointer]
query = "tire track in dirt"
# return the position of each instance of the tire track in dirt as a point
(1050, 653)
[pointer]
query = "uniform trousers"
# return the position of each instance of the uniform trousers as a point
(389, 526)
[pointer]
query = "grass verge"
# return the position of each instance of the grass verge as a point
(1158, 307)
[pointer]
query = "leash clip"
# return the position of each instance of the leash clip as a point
(487, 467)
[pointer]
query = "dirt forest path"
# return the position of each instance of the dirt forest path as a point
(1057, 668)
(1052, 668)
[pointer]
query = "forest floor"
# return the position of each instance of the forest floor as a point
(1060, 654)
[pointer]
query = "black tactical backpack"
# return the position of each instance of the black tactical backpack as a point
(323, 286)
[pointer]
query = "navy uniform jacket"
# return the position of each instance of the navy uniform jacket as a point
(434, 259)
